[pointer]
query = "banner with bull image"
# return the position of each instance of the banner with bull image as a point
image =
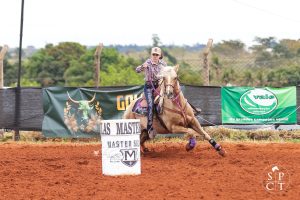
(249, 105)
(76, 112)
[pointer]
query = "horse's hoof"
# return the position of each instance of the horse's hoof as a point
(222, 152)
(192, 143)
(188, 147)
(146, 150)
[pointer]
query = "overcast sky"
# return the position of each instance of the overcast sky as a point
(135, 21)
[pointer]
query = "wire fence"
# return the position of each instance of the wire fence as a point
(247, 71)
(29, 114)
(224, 70)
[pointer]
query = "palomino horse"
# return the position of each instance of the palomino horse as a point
(177, 115)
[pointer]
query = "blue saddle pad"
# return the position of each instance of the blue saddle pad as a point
(143, 110)
(139, 109)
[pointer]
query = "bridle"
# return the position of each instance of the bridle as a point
(174, 82)
(173, 85)
(176, 99)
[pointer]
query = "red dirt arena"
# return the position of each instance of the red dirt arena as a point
(73, 171)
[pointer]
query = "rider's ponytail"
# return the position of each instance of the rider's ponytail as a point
(161, 55)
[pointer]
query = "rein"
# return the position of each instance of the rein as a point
(151, 81)
(177, 101)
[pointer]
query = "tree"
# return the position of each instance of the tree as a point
(49, 64)
(228, 76)
(268, 42)
(281, 50)
(260, 78)
(171, 60)
(247, 78)
(120, 77)
(288, 48)
(230, 48)
(189, 76)
(156, 40)
(9, 71)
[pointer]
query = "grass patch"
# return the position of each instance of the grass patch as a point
(219, 133)
(222, 133)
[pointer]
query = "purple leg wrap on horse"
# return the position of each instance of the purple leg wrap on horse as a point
(217, 147)
(192, 142)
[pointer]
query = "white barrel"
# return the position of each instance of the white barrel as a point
(120, 147)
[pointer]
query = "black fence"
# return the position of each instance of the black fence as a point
(29, 114)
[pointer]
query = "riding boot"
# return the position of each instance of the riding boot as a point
(151, 133)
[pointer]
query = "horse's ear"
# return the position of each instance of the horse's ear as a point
(176, 68)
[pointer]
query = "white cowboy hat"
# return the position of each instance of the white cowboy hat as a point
(156, 50)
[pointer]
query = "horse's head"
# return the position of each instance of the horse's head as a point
(170, 80)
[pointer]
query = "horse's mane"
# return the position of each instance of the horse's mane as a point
(168, 71)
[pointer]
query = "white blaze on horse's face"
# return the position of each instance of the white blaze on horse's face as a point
(169, 76)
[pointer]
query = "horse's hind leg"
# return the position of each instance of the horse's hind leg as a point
(197, 127)
(144, 137)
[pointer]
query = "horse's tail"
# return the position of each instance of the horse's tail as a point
(128, 114)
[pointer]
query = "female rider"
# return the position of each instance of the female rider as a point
(151, 67)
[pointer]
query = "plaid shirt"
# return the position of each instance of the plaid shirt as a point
(152, 70)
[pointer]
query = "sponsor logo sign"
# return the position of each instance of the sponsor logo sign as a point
(248, 105)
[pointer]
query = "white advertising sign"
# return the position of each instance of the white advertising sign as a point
(120, 147)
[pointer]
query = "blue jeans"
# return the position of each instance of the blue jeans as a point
(149, 94)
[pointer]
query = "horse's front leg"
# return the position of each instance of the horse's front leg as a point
(191, 134)
(197, 127)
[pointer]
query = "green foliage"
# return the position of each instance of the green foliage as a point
(71, 64)
(268, 42)
(78, 74)
(189, 76)
(282, 51)
(49, 64)
(228, 76)
(247, 78)
(269, 63)
(120, 76)
(287, 76)
(222, 133)
(110, 56)
(156, 40)
(10, 73)
(231, 47)
(171, 60)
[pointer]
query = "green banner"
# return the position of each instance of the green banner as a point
(249, 105)
(76, 112)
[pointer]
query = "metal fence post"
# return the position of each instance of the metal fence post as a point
(18, 89)
(206, 63)
(97, 56)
